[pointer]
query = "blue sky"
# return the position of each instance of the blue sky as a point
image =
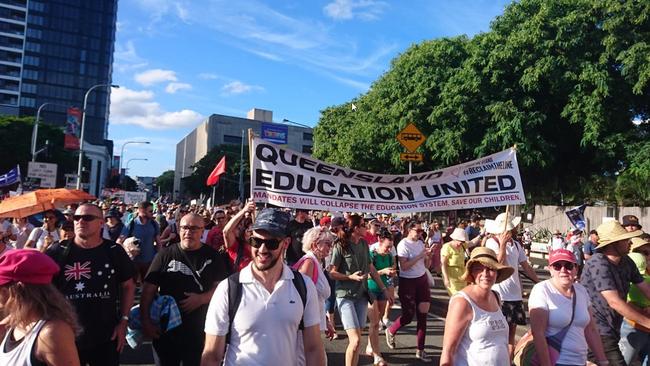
(178, 61)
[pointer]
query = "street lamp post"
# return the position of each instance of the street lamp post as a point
(134, 159)
(35, 129)
(83, 128)
(122, 153)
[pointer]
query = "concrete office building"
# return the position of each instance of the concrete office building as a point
(219, 129)
(53, 51)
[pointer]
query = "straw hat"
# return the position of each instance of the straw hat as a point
(638, 243)
(612, 231)
(488, 258)
(460, 235)
(497, 225)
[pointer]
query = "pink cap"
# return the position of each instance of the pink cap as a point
(561, 255)
(27, 266)
(325, 220)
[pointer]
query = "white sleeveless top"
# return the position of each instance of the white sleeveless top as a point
(485, 342)
(22, 354)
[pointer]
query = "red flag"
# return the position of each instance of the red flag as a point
(213, 178)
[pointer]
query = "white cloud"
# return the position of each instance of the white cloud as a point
(208, 76)
(350, 9)
(237, 87)
(132, 107)
(264, 31)
(127, 58)
(174, 87)
(155, 76)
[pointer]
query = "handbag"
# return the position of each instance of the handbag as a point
(526, 353)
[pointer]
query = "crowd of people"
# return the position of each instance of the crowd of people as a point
(243, 285)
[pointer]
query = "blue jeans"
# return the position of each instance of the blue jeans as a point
(353, 312)
(634, 344)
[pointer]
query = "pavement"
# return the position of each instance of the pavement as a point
(403, 354)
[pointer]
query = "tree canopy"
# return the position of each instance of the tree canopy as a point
(567, 81)
(166, 182)
(15, 146)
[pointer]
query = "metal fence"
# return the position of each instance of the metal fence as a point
(553, 217)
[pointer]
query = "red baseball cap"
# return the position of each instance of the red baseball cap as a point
(561, 255)
(27, 266)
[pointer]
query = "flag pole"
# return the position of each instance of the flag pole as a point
(250, 157)
(214, 188)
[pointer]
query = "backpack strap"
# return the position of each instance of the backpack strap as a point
(299, 284)
(235, 290)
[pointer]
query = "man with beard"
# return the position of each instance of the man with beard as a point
(270, 307)
(97, 277)
(189, 272)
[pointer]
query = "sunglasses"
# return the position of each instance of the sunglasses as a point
(49, 218)
(84, 217)
(220, 218)
(271, 244)
(567, 265)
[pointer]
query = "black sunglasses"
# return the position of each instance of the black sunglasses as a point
(271, 244)
(567, 265)
(84, 217)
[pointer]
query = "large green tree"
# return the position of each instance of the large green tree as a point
(15, 146)
(561, 79)
(166, 182)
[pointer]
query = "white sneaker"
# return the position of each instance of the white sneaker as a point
(422, 356)
(390, 339)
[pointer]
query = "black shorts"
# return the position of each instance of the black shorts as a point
(514, 312)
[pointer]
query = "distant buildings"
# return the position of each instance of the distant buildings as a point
(53, 51)
(219, 129)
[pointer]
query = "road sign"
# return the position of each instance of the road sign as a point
(411, 157)
(410, 137)
(46, 172)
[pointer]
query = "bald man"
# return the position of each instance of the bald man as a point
(97, 277)
(188, 271)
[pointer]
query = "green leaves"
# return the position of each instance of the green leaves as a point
(562, 79)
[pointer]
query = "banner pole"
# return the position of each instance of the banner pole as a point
(250, 159)
(505, 224)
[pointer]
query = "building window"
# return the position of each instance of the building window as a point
(306, 149)
(27, 102)
(307, 136)
(29, 88)
(32, 60)
(228, 139)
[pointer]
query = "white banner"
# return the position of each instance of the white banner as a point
(46, 172)
(134, 197)
(286, 178)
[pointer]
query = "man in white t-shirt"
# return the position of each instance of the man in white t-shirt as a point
(510, 253)
(265, 328)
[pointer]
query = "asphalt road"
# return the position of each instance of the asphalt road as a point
(403, 354)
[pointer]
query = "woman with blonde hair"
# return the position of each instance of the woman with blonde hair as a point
(317, 243)
(476, 331)
(40, 324)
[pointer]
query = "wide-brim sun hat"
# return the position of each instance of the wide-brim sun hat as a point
(612, 231)
(499, 224)
(488, 258)
(460, 235)
(638, 243)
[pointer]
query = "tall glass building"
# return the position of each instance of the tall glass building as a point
(53, 51)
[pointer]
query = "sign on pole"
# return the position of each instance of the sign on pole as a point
(134, 197)
(411, 157)
(410, 137)
(46, 172)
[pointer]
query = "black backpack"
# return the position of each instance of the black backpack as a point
(235, 289)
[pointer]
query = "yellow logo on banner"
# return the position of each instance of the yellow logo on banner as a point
(410, 137)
